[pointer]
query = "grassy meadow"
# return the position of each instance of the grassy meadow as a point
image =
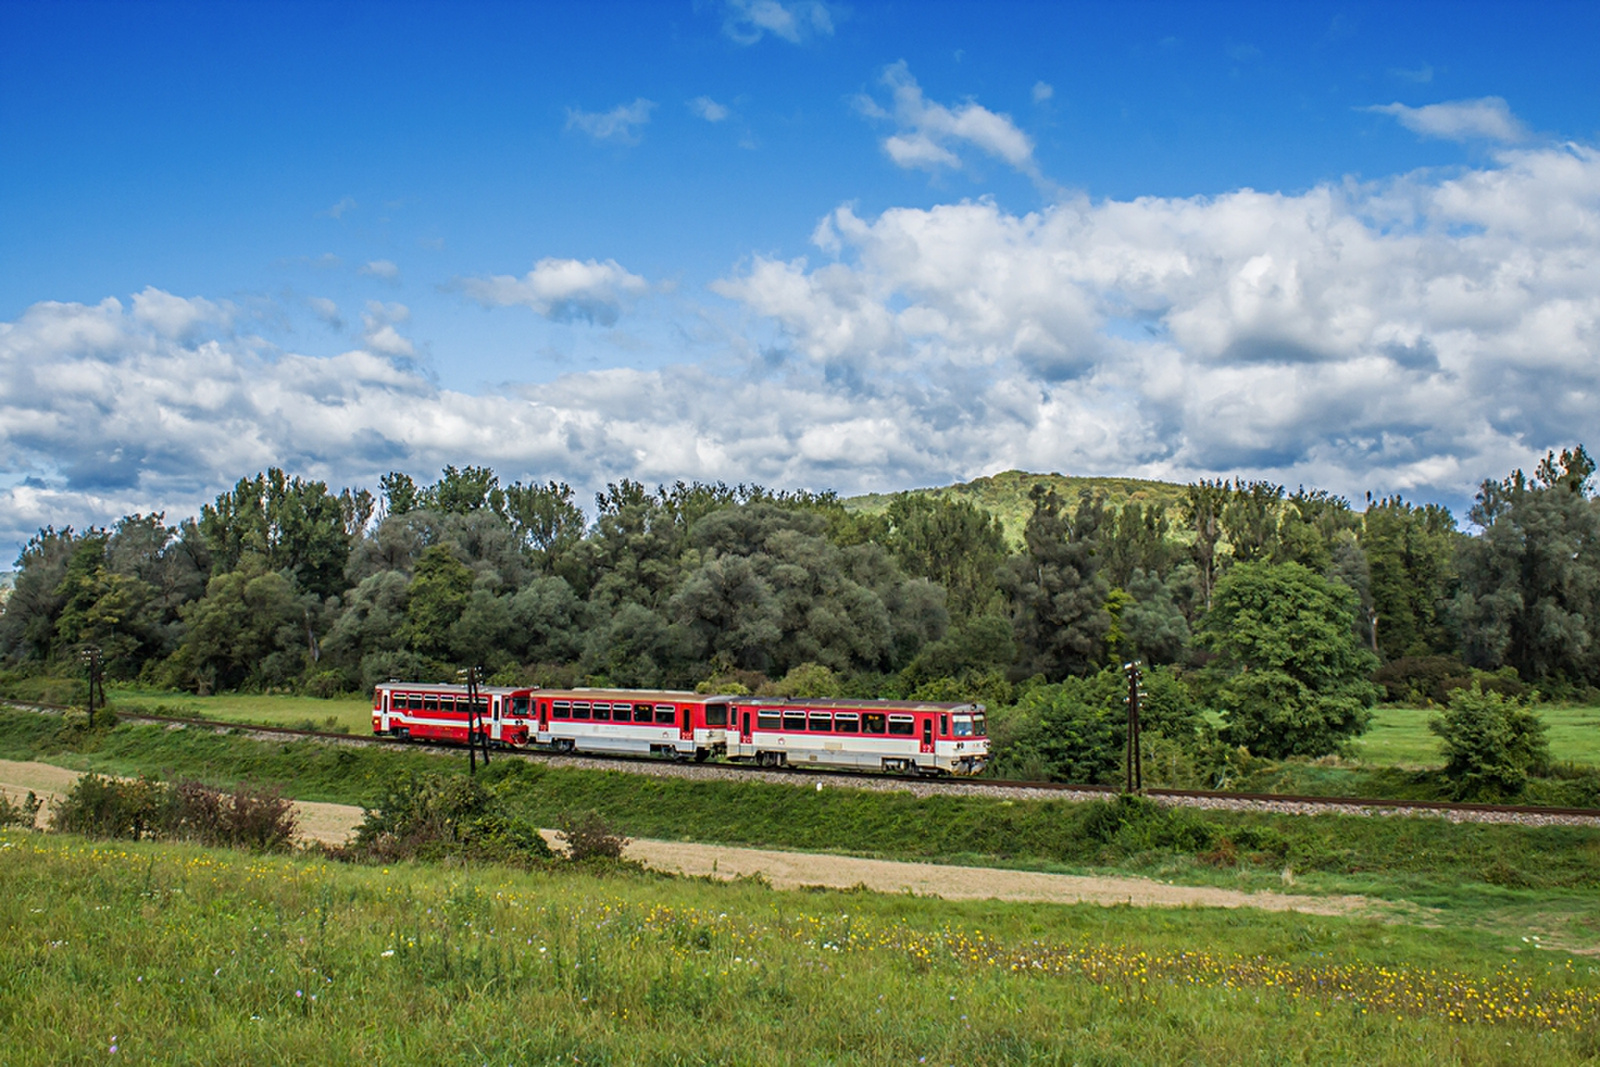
(177, 954)
(1503, 881)
(1399, 737)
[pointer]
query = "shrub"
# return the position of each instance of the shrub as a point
(589, 836)
(97, 806)
(1491, 743)
(261, 820)
(445, 816)
(19, 812)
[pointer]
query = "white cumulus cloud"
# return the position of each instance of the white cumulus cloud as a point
(1486, 119)
(563, 290)
(928, 134)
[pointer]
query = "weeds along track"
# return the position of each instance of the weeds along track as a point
(984, 787)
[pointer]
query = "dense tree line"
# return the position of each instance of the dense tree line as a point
(1273, 607)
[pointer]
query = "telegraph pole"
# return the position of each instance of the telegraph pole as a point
(1134, 766)
(470, 675)
(95, 664)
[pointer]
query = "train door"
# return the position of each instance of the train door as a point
(495, 731)
(927, 735)
(686, 723)
(744, 727)
(544, 716)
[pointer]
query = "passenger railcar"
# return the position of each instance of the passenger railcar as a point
(913, 737)
(634, 722)
(861, 735)
(436, 712)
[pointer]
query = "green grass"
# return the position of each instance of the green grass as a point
(1512, 879)
(354, 713)
(179, 955)
(1399, 737)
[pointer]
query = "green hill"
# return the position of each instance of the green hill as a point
(1005, 495)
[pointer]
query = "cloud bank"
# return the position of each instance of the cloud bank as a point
(1416, 335)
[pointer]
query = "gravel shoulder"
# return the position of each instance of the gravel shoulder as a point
(333, 823)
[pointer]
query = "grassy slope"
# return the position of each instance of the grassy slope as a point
(176, 954)
(353, 713)
(1005, 495)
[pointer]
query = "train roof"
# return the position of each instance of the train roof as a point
(444, 687)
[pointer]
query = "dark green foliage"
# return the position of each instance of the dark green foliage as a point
(1432, 679)
(1530, 583)
(28, 625)
(1201, 507)
(97, 806)
(291, 524)
(433, 816)
(1490, 744)
(1058, 595)
(251, 630)
(1294, 682)
(952, 542)
(435, 601)
(1410, 554)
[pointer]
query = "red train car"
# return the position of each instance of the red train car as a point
(636, 722)
(436, 712)
(861, 735)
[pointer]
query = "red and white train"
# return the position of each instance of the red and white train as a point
(911, 737)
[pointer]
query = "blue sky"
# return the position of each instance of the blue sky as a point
(858, 247)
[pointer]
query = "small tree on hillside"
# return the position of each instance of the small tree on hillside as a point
(1491, 743)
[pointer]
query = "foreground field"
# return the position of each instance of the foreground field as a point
(176, 954)
(1508, 882)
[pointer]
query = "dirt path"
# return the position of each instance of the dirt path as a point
(333, 823)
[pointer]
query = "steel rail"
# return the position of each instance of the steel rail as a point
(1372, 803)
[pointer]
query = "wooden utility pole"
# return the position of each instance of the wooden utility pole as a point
(1134, 767)
(95, 664)
(475, 727)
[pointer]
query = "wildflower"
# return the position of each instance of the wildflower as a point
(386, 953)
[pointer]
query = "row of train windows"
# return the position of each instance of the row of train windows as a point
(448, 705)
(661, 714)
(837, 722)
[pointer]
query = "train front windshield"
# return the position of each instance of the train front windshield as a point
(968, 725)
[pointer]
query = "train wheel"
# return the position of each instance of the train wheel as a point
(700, 755)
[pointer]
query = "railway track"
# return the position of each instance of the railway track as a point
(1197, 798)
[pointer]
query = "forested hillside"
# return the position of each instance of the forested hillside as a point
(1289, 614)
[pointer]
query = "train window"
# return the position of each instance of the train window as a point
(430, 703)
(561, 709)
(519, 706)
(978, 727)
(414, 702)
(873, 722)
(580, 709)
(768, 720)
(963, 725)
(716, 714)
(665, 714)
(944, 726)
(846, 724)
(820, 721)
(794, 720)
(641, 713)
(483, 706)
(902, 725)
(602, 712)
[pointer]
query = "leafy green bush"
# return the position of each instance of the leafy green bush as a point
(1490, 743)
(23, 813)
(97, 806)
(435, 816)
